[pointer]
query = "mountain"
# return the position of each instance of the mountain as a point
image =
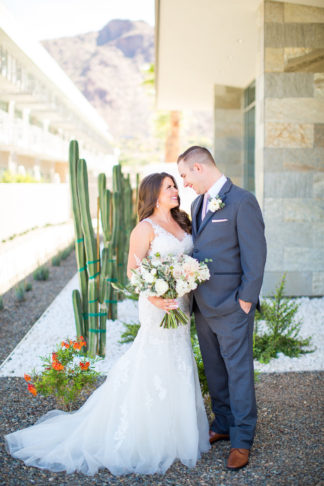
(108, 67)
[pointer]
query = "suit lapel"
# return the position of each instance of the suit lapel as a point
(195, 213)
(222, 194)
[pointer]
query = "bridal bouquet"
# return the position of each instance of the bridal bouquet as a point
(169, 277)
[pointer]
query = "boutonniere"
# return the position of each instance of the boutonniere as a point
(215, 203)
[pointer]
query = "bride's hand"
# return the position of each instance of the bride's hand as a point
(165, 304)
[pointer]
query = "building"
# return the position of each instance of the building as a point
(260, 65)
(41, 110)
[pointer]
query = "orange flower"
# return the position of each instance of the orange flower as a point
(54, 355)
(65, 345)
(57, 366)
(77, 346)
(32, 389)
(27, 377)
(84, 366)
(82, 338)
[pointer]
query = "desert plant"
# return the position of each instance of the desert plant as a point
(20, 292)
(28, 286)
(97, 299)
(1, 302)
(41, 273)
(282, 328)
(67, 251)
(66, 374)
(56, 260)
(130, 334)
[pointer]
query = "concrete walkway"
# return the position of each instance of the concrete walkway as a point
(20, 256)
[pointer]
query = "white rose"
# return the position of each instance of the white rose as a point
(214, 205)
(148, 277)
(161, 286)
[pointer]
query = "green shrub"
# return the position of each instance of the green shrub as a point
(281, 335)
(62, 255)
(28, 286)
(66, 252)
(20, 292)
(9, 177)
(56, 260)
(41, 273)
(1, 302)
(130, 334)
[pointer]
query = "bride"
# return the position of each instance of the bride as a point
(149, 411)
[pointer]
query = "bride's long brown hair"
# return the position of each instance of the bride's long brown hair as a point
(149, 191)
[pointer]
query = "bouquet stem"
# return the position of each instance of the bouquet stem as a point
(173, 319)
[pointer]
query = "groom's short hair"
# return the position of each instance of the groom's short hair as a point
(197, 154)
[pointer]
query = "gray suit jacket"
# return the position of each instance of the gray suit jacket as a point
(233, 237)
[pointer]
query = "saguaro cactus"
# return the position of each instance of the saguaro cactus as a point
(79, 241)
(98, 299)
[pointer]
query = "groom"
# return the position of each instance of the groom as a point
(227, 227)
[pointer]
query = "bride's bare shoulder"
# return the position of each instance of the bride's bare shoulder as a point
(143, 229)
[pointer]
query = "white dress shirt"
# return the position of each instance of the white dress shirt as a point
(215, 188)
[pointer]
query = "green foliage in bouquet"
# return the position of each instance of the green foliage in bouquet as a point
(41, 273)
(282, 331)
(67, 374)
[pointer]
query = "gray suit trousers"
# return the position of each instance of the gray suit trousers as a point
(226, 344)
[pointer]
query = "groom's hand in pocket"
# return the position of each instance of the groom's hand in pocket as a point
(245, 306)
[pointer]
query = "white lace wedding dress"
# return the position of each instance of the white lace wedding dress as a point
(147, 413)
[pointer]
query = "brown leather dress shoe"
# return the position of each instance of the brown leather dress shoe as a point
(214, 437)
(237, 459)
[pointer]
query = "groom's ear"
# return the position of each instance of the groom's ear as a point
(197, 167)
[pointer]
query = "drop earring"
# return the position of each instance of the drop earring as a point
(157, 204)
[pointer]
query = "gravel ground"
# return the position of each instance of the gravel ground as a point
(286, 449)
(17, 318)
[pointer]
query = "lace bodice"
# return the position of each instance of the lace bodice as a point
(150, 316)
(166, 243)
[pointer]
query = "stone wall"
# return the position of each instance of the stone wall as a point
(290, 145)
(228, 132)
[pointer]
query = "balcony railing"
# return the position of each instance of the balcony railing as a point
(22, 137)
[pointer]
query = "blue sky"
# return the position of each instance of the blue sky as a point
(47, 19)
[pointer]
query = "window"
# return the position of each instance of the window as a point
(249, 137)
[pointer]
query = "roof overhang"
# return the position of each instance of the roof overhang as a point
(200, 43)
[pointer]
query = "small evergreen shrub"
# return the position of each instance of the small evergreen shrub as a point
(130, 334)
(20, 292)
(66, 252)
(62, 255)
(56, 260)
(41, 273)
(28, 286)
(281, 335)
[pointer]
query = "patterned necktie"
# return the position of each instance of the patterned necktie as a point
(204, 208)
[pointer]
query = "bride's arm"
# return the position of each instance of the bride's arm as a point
(139, 244)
